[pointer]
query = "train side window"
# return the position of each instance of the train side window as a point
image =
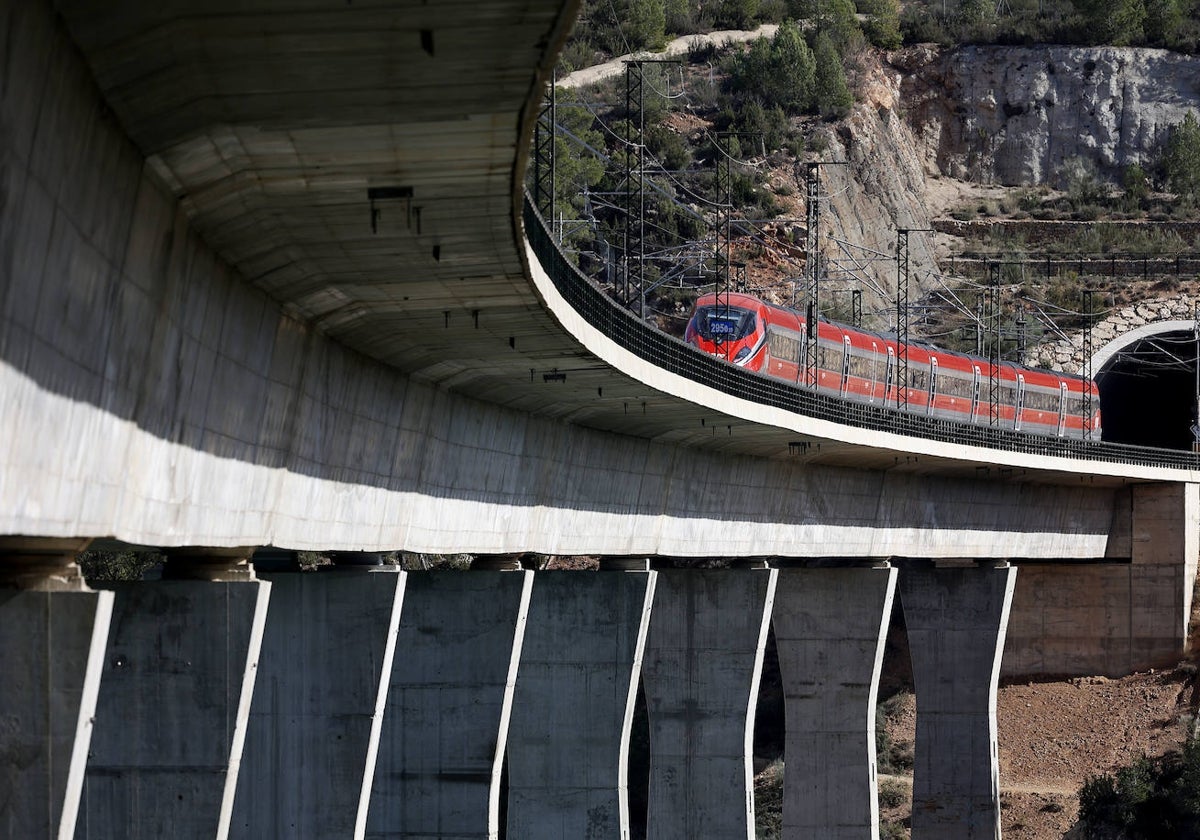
(1020, 406)
(933, 383)
(783, 347)
(1062, 408)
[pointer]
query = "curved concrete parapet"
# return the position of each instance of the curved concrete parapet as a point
(152, 396)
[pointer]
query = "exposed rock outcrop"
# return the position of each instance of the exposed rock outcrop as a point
(1013, 115)
(882, 185)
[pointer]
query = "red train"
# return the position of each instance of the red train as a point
(858, 365)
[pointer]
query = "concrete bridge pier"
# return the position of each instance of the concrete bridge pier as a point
(568, 742)
(53, 632)
(956, 618)
(314, 721)
(703, 659)
(449, 700)
(174, 700)
(830, 628)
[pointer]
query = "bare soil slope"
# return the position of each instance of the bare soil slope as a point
(1054, 735)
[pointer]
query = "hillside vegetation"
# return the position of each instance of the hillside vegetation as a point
(739, 123)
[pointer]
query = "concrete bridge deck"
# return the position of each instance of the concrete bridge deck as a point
(210, 339)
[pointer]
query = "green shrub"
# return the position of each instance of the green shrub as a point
(892, 793)
(1181, 162)
(882, 22)
(779, 72)
(1152, 799)
(921, 26)
(116, 565)
(831, 95)
(736, 14)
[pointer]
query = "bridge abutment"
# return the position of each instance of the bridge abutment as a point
(830, 628)
(172, 712)
(701, 669)
(568, 744)
(1119, 617)
(956, 619)
(449, 702)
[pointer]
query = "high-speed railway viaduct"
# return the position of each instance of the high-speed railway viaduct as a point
(267, 279)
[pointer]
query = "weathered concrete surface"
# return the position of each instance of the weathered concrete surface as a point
(51, 653)
(830, 628)
(956, 620)
(568, 742)
(449, 699)
(164, 392)
(174, 701)
(700, 673)
(1113, 619)
(329, 637)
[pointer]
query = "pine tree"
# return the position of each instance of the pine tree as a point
(1181, 163)
(645, 24)
(831, 95)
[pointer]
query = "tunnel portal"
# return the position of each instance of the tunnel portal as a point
(1148, 391)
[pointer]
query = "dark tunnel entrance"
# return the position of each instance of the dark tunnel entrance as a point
(1148, 392)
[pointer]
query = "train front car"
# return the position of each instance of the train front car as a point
(731, 326)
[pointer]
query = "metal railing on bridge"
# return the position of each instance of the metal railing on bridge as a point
(1126, 265)
(671, 354)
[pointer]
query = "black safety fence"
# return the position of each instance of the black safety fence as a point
(671, 354)
(975, 264)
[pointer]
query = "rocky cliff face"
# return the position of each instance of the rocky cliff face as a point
(988, 115)
(879, 186)
(1013, 115)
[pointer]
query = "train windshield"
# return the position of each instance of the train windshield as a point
(723, 323)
